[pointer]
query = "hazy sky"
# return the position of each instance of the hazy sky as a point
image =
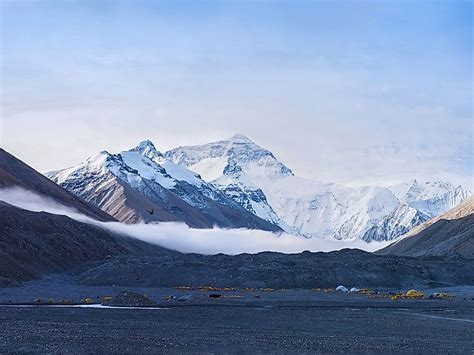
(346, 91)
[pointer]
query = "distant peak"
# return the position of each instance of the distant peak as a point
(147, 148)
(240, 137)
(146, 144)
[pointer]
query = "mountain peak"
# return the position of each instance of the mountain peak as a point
(145, 144)
(147, 148)
(238, 137)
(239, 151)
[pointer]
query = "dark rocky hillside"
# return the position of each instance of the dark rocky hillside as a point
(350, 267)
(33, 244)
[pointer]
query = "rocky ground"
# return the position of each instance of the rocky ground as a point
(361, 326)
(187, 319)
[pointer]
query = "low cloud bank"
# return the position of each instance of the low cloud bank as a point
(179, 236)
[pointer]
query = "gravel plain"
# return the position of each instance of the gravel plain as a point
(237, 329)
(280, 321)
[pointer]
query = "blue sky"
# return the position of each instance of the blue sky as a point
(348, 91)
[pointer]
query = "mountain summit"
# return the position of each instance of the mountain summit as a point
(147, 148)
(235, 154)
(238, 137)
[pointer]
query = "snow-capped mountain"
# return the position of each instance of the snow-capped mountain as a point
(226, 164)
(398, 222)
(431, 198)
(141, 185)
(253, 177)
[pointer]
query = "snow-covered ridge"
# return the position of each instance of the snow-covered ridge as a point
(253, 177)
(141, 162)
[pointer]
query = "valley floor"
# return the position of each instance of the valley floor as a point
(238, 329)
(280, 321)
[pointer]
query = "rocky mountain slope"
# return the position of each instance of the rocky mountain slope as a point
(15, 173)
(141, 185)
(33, 244)
(256, 179)
(449, 233)
(301, 271)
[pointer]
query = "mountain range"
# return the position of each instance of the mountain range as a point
(34, 244)
(235, 183)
